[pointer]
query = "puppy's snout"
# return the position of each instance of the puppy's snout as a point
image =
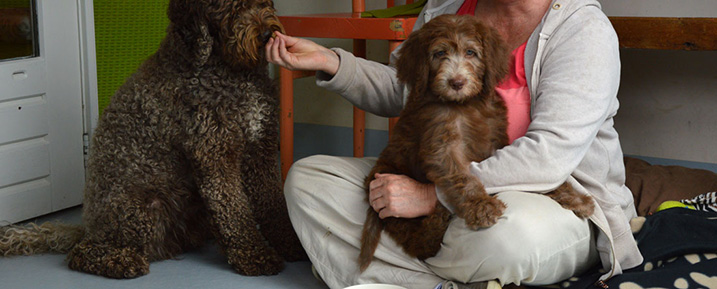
(457, 83)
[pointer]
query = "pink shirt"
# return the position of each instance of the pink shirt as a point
(514, 89)
(515, 93)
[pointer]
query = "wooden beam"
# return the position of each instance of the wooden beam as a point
(666, 33)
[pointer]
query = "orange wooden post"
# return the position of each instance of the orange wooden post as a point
(334, 25)
(286, 120)
(392, 45)
(359, 124)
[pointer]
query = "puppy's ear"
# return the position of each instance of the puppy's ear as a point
(413, 63)
(496, 55)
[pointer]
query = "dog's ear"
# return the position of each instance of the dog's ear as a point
(496, 55)
(191, 31)
(413, 64)
(182, 13)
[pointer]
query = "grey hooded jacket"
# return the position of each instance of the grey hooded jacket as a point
(572, 66)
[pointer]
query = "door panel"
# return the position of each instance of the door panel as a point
(41, 129)
(24, 118)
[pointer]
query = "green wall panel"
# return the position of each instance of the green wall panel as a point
(126, 33)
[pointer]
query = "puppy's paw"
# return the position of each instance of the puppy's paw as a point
(253, 263)
(481, 212)
(582, 205)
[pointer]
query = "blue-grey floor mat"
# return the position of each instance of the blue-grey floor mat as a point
(205, 268)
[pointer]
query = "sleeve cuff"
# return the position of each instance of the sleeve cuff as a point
(343, 78)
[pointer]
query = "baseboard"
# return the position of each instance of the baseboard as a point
(312, 139)
(673, 162)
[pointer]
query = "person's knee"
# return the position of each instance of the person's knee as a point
(302, 170)
(531, 233)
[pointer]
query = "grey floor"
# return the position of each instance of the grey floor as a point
(205, 268)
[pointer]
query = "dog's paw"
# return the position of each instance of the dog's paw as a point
(481, 212)
(255, 263)
(103, 260)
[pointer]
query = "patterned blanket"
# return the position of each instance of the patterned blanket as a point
(679, 246)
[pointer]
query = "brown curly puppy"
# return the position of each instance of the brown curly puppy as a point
(186, 151)
(452, 117)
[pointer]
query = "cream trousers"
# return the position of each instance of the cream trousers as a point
(535, 242)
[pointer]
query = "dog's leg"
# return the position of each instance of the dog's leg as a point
(116, 240)
(566, 196)
(262, 181)
(447, 166)
(232, 214)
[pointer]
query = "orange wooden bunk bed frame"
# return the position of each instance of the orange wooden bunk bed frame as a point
(633, 32)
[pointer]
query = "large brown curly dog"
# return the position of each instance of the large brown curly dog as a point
(452, 117)
(186, 151)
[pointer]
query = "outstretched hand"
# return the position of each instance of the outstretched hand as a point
(300, 54)
(401, 196)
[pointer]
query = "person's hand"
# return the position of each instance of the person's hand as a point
(401, 196)
(300, 54)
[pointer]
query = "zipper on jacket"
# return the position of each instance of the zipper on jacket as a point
(601, 282)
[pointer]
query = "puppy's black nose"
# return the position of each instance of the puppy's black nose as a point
(457, 83)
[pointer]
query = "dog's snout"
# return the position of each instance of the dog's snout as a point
(457, 83)
(266, 35)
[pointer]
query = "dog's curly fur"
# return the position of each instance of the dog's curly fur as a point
(186, 151)
(453, 116)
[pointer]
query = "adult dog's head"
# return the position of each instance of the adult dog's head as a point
(454, 58)
(238, 29)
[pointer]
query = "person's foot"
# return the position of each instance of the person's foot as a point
(478, 285)
(316, 274)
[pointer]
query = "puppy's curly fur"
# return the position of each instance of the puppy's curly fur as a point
(185, 151)
(453, 116)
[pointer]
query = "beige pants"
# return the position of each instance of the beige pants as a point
(535, 241)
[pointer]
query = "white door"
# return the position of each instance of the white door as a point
(41, 108)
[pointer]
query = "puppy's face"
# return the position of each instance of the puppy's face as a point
(456, 66)
(453, 58)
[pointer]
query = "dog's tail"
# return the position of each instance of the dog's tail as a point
(369, 238)
(30, 239)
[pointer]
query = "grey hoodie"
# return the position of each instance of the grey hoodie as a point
(572, 66)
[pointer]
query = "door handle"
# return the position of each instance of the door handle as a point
(19, 75)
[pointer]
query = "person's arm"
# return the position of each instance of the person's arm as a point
(369, 85)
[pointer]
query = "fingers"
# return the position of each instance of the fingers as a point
(284, 52)
(276, 51)
(379, 199)
(381, 206)
(272, 51)
(290, 41)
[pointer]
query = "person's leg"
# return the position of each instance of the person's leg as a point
(535, 242)
(327, 206)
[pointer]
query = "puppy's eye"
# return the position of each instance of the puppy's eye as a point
(439, 54)
(470, 52)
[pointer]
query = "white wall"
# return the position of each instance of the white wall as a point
(668, 98)
(660, 8)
